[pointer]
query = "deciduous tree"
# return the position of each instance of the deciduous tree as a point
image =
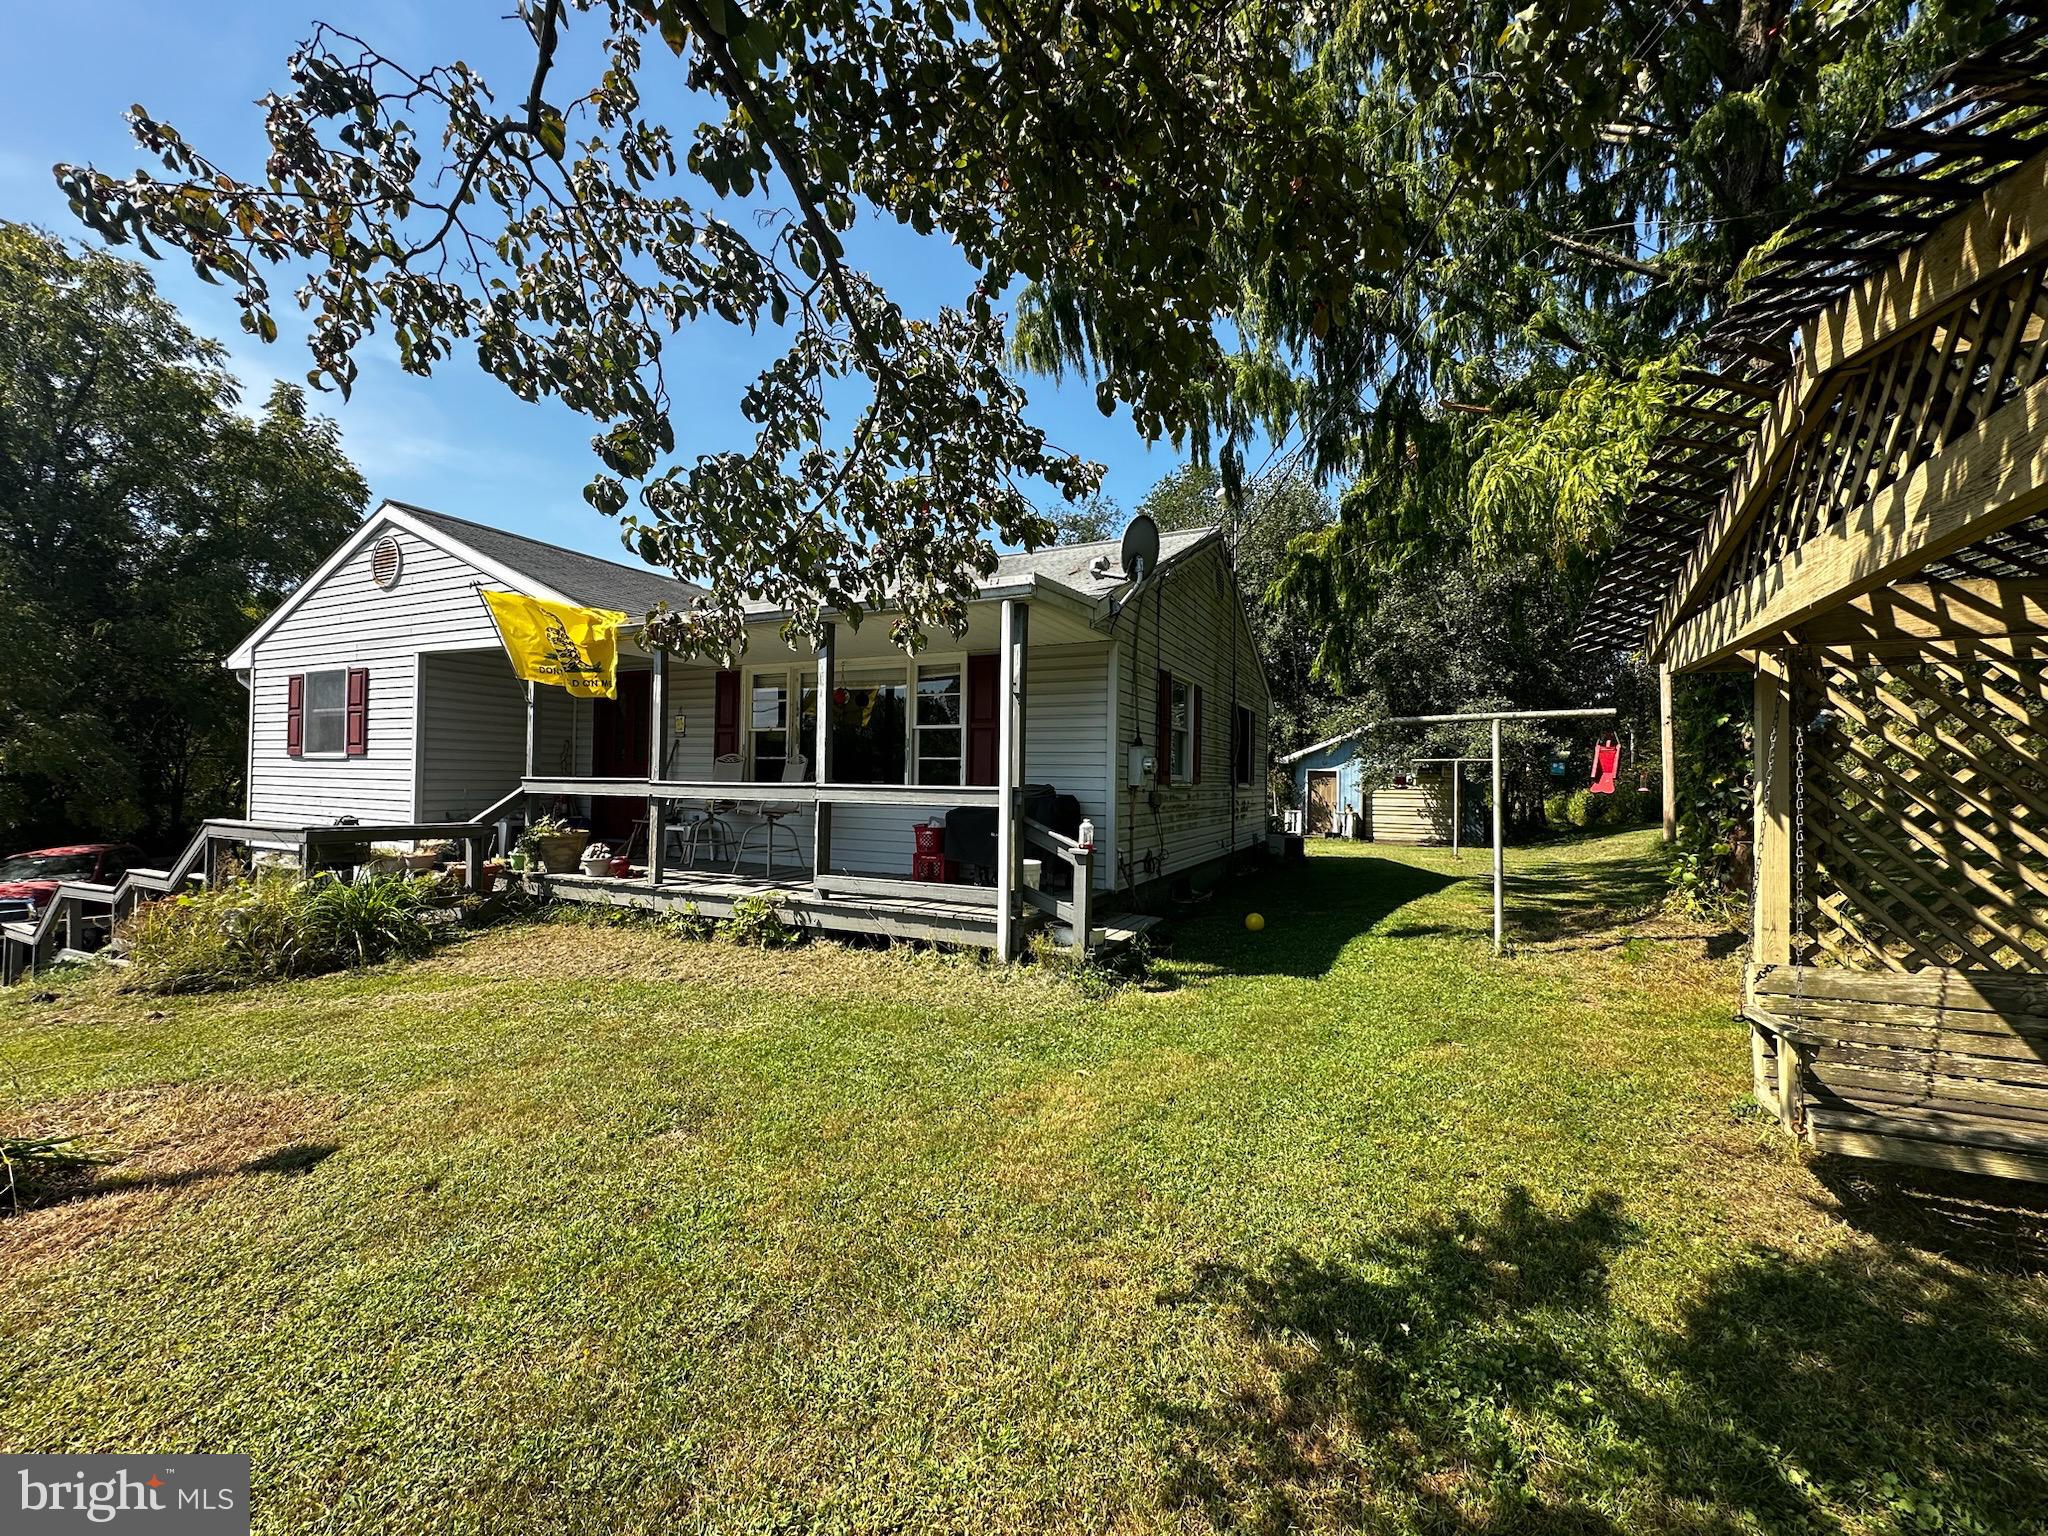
(146, 525)
(565, 231)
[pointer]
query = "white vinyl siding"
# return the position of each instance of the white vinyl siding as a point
(347, 621)
(1066, 721)
(1196, 628)
(473, 747)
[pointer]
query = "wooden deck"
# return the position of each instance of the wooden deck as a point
(874, 905)
(894, 909)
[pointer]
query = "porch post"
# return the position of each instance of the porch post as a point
(657, 760)
(532, 730)
(1010, 775)
(1771, 923)
(1669, 760)
(822, 770)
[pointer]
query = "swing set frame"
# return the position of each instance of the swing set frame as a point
(1492, 719)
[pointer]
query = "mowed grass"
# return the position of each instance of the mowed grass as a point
(1344, 1225)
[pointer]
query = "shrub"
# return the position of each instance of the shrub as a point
(1556, 810)
(688, 922)
(381, 918)
(273, 924)
(756, 921)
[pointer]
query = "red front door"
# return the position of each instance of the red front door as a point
(618, 750)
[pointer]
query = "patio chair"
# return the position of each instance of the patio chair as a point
(769, 816)
(705, 829)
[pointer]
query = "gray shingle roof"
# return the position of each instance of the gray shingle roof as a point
(1073, 565)
(595, 583)
(635, 590)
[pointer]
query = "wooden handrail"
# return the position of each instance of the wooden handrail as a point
(773, 791)
(500, 808)
(1058, 842)
(307, 838)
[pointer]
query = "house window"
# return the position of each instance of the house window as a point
(890, 724)
(768, 727)
(941, 722)
(870, 715)
(1181, 730)
(1245, 728)
(326, 720)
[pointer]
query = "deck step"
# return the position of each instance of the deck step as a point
(1126, 928)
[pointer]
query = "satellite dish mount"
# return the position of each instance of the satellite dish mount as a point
(1140, 553)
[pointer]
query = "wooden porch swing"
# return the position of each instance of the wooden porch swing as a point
(1858, 502)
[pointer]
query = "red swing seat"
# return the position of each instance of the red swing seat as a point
(1606, 764)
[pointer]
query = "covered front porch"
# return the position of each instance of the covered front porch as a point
(803, 795)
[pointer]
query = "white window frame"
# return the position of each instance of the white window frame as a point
(792, 714)
(957, 667)
(339, 712)
(1180, 725)
(795, 679)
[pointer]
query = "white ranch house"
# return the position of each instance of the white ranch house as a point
(380, 691)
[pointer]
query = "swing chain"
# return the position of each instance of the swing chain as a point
(1799, 832)
(1757, 800)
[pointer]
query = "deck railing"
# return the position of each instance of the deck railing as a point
(661, 792)
(27, 946)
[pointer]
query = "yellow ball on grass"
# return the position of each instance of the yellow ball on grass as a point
(1254, 921)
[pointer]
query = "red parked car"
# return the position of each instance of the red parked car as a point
(28, 881)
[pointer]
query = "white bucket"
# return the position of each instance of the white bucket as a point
(1034, 871)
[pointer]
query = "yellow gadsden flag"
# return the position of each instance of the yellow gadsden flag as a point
(559, 643)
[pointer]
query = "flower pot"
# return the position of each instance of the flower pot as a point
(422, 860)
(559, 852)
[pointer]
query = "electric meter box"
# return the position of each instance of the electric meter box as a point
(1144, 766)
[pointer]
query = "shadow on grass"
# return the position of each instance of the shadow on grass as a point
(72, 1183)
(1994, 1226)
(1574, 900)
(1312, 910)
(1470, 1373)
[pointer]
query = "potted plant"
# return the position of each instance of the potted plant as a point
(554, 843)
(597, 859)
(425, 856)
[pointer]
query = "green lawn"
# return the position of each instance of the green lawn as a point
(1342, 1225)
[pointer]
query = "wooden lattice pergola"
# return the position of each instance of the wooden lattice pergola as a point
(1853, 504)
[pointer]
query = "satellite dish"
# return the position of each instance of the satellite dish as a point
(1140, 553)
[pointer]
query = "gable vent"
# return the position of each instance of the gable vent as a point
(385, 560)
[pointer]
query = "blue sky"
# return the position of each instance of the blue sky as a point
(459, 442)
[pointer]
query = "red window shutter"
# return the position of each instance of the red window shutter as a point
(1195, 732)
(295, 715)
(726, 716)
(1165, 726)
(984, 718)
(358, 711)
